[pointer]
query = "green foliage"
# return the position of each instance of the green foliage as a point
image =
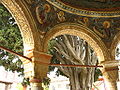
(97, 74)
(50, 46)
(10, 38)
(46, 82)
(52, 51)
(25, 82)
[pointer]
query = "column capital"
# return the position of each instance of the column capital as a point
(110, 73)
(38, 67)
(110, 69)
(109, 64)
(36, 54)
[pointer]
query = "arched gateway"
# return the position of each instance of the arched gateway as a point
(41, 20)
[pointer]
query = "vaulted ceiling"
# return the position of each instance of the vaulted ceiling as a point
(101, 16)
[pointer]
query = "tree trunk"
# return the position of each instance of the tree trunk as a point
(75, 51)
(74, 81)
(81, 81)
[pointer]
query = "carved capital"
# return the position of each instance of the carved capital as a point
(110, 74)
(111, 77)
(110, 69)
(109, 64)
(38, 67)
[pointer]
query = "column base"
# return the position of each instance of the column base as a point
(36, 84)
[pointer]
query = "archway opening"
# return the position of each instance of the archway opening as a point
(10, 37)
(80, 31)
(72, 50)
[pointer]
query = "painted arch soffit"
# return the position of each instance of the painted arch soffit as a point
(78, 30)
(91, 8)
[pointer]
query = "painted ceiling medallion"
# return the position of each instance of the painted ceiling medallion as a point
(91, 8)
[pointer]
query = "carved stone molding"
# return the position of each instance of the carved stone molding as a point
(78, 30)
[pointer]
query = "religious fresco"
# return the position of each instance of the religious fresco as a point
(48, 16)
(37, 17)
(106, 28)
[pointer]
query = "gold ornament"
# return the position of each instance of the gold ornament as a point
(86, 21)
(106, 24)
(61, 16)
(47, 8)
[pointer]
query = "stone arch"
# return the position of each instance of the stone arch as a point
(114, 44)
(25, 21)
(81, 31)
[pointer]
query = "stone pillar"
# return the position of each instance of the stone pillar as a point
(110, 74)
(36, 69)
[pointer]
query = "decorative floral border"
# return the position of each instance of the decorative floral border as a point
(90, 13)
